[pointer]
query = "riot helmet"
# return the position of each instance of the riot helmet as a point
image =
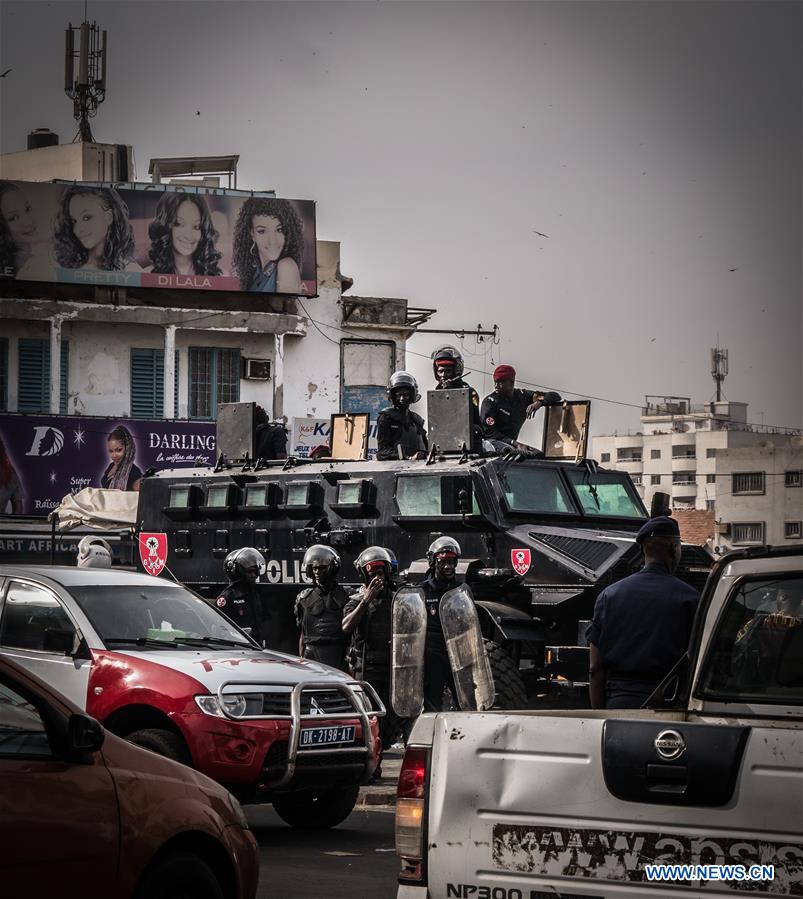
(244, 564)
(94, 552)
(372, 561)
(401, 379)
(394, 562)
(448, 359)
(442, 556)
(321, 565)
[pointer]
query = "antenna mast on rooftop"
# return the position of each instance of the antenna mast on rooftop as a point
(719, 368)
(87, 89)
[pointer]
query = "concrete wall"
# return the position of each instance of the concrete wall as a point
(72, 162)
(777, 505)
(311, 383)
(99, 374)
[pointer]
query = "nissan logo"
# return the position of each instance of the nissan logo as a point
(669, 744)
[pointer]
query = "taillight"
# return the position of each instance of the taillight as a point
(410, 808)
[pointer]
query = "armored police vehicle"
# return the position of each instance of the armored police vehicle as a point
(539, 539)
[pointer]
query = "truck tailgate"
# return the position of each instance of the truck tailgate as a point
(521, 805)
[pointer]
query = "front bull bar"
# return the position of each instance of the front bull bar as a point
(296, 718)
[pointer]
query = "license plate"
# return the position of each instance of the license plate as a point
(326, 736)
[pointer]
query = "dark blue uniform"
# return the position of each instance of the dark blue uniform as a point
(437, 670)
(503, 416)
(641, 627)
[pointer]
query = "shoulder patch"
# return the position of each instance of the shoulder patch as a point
(220, 602)
(490, 420)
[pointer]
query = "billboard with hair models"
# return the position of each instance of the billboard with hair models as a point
(197, 240)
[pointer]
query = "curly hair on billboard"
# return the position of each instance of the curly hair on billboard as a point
(92, 230)
(248, 258)
(173, 234)
(17, 227)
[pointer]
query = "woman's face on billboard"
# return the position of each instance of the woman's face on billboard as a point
(18, 216)
(90, 220)
(267, 234)
(186, 229)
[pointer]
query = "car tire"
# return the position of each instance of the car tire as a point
(180, 875)
(510, 691)
(317, 811)
(162, 742)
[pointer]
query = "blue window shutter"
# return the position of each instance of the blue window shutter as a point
(33, 375)
(3, 373)
(65, 373)
(147, 383)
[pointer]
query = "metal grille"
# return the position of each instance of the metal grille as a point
(201, 361)
(33, 375)
(591, 553)
(748, 482)
(228, 376)
(327, 702)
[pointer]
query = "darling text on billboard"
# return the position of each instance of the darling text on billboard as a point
(90, 234)
(45, 457)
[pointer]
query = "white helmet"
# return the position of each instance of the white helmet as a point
(94, 552)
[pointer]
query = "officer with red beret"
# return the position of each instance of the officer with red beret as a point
(505, 410)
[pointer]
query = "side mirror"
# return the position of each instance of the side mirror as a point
(61, 639)
(84, 734)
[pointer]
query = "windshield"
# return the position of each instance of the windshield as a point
(530, 489)
(161, 613)
(606, 493)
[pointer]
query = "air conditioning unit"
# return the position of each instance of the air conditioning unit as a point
(724, 528)
(256, 369)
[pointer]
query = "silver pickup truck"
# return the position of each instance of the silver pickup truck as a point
(699, 795)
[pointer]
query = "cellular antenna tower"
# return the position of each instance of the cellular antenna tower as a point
(719, 368)
(87, 89)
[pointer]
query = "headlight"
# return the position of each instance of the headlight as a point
(239, 814)
(234, 703)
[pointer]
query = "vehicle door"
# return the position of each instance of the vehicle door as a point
(38, 633)
(59, 827)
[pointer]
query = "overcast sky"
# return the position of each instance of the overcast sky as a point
(655, 145)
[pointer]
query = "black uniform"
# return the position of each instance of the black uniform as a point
(641, 627)
(319, 616)
(502, 417)
(270, 441)
(370, 653)
(399, 428)
(240, 601)
(437, 670)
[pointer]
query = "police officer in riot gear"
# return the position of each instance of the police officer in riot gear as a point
(319, 609)
(400, 432)
(367, 617)
(504, 411)
(442, 557)
(240, 601)
(447, 366)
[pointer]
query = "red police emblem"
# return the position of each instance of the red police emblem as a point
(220, 601)
(153, 552)
(521, 559)
(489, 421)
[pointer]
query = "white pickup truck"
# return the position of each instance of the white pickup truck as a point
(701, 795)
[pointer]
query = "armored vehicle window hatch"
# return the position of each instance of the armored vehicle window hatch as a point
(221, 500)
(302, 499)
(183, 544)
(220, 544)
(261, 499)
(435, 496)
(183, 501)
(356, 498)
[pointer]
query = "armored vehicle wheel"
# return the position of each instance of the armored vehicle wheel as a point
(162, 742)
(509, 687)
(317, 811)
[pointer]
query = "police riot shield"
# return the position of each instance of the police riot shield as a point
(409, 623)
(467, 656)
